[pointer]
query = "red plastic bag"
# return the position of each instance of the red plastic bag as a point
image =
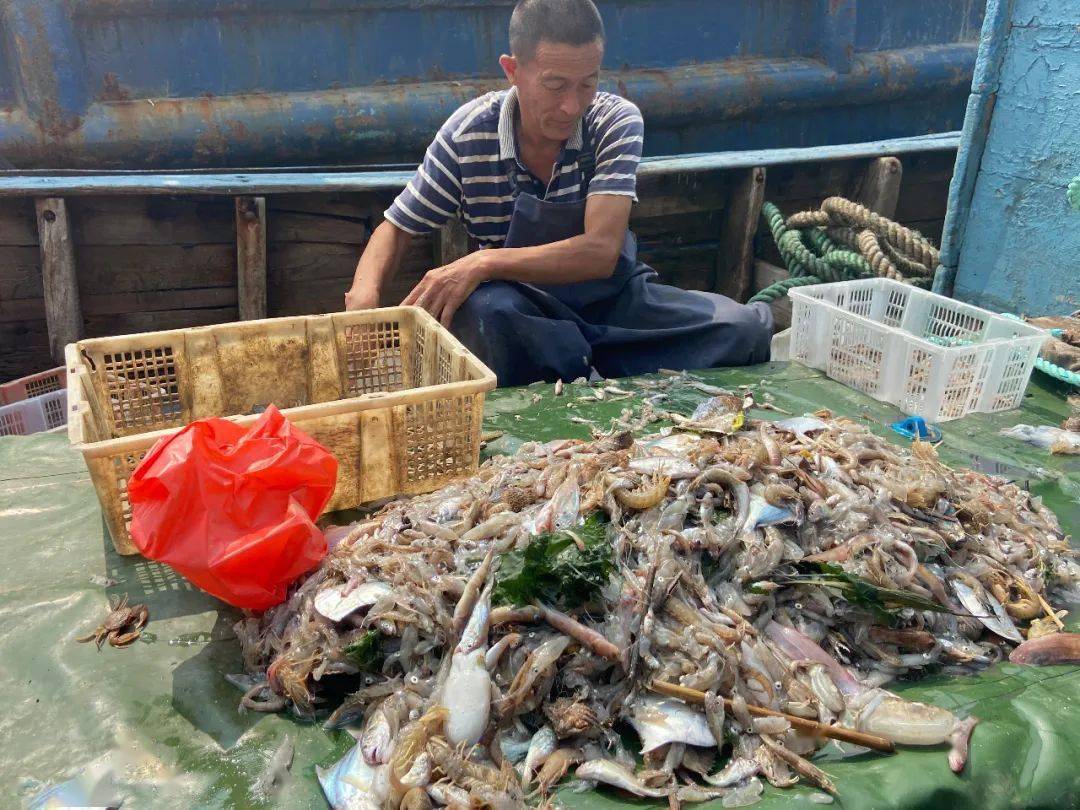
(233, 509)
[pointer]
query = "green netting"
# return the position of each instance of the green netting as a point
(164, 705)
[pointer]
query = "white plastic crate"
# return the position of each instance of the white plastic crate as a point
(34, 415)
(928, 355)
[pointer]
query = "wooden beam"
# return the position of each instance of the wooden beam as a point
(451, 242)
(879, 187)
(735, 258)
(766, 274)
(63, 314)
(251, 257)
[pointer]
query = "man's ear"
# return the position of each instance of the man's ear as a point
(509, 64)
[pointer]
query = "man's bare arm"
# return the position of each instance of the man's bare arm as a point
(378, 264)
(592, 255)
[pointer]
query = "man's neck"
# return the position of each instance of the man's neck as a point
(537, 153)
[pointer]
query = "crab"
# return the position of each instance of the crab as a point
(121, 627)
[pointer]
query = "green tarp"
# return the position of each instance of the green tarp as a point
(163, 715)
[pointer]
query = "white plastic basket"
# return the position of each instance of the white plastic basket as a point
(34, 415)
(928, 355)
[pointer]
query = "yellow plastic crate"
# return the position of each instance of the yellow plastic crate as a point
(390, 392)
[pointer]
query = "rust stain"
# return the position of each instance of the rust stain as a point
(112, 90)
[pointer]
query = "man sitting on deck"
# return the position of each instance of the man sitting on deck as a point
(543, 176)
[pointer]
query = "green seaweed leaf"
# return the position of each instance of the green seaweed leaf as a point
(881, 602)
(553, 569)
(367, 652)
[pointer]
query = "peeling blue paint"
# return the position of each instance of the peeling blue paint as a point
(1018, 246)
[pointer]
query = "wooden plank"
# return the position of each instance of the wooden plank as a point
(686, 227)
(61, 287)
(135, 268)
(18, 222)
(127, 302)
(151, 220)
(307, 226)
(451, 242)
(921, 201)
(358, 206)
(879, 186)
(295, 263)
(25, 348)
(670, 194)
(766, 274)
(733, 261)
(20, 272)
(251, 257)
(104, 325)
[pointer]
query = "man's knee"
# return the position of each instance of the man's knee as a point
(756, 325)
(493, 299)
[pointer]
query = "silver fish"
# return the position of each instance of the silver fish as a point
(540, 747)
(335, 603)
(659, 721)
(612, 773)
(802, 425)
(673, 467)
(988, 610)
(762, 513)
(353, 784)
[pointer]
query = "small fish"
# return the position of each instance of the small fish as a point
(578, 420)
(714, 407)
(1057, 648)
(802, 425)
(673, 467)
(659, 721)
(734, 772)
(612, 773)
(335, 603)
(276, 769)
(349, 712)
(673, 444)
(558, 388)
(104, 582)
(513, 749)
(540, 748)
(763, 513)
(711, 390)
(377, 737)
(986, 609)
(353, 784)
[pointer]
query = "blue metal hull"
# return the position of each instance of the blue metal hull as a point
(216, 83)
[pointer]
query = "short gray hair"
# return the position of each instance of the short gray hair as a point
(564, 22)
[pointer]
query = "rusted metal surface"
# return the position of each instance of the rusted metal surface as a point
(223, 83)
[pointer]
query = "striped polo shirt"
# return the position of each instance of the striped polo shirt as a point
(467, 169)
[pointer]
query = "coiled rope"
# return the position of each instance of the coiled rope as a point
(844, 240)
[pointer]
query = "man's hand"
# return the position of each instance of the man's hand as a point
(442, 290)
(362, 296)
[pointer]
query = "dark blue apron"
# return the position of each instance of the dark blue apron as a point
(622, 325)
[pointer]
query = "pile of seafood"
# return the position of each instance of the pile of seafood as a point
(735, 592)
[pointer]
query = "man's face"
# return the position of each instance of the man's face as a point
(555, 87)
